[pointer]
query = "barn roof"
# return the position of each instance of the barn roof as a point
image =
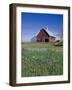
(43, 30)
(52, 36)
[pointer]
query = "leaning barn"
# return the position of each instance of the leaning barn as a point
(43, 36)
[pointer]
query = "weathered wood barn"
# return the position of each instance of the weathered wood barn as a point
(43, 36)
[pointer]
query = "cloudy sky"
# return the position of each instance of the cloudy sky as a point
(31, 23)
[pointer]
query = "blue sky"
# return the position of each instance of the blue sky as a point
(31, 23)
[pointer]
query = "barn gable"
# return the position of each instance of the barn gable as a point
(42, 36)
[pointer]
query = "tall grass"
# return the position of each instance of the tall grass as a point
(41, 59)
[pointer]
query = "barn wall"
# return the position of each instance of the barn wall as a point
(42, 36)
(51, 39)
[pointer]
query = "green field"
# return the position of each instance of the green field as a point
(41, 59)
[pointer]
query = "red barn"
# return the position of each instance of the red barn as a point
(43, 36)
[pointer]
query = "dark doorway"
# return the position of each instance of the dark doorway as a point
(46, 40)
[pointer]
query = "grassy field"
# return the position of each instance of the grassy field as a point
(41, 59)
